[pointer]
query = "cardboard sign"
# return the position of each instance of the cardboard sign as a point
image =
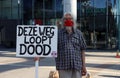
(36, 41)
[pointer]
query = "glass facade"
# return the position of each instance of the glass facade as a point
(45, 10)
(10, 9)
(98, 19)
(98, 22)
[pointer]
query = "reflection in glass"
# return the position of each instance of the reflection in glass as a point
(99, 20)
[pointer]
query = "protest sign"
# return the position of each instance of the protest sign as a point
(36, 41)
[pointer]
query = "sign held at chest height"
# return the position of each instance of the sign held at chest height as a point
(40, 41)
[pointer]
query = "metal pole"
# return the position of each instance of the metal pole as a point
(74, 9)
(18, 12)
(1, 9)
(36, 68)
(118, 18)
(80, 8)
(33, 12)
(22, 14)
(43, 12)
(116, 14)
(107, 23)
(11, 9)
(55, 11)
(94, 36)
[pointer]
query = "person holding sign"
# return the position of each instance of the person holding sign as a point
(70, 61)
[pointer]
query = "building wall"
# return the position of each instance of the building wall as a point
(97, 19)
(9, 9)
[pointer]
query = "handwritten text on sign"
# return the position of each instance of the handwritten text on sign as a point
(36, 41)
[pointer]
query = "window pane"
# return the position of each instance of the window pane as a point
(27, 5)
(39, 11)
(6, 9)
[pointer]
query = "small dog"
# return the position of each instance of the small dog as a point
(53, 74)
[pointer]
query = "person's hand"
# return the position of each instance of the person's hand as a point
(36, 58)
(84, 71)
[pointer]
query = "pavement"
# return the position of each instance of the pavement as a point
(100, 64)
